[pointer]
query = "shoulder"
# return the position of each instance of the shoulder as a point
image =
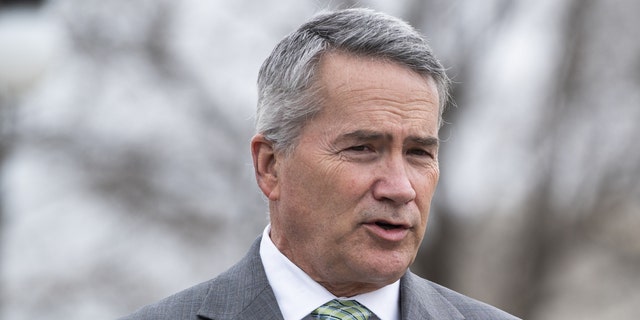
(228, 293)
(188, 303)
(469, 307)
(182, 305)
(425, 291)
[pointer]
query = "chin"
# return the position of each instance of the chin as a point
(385, 273)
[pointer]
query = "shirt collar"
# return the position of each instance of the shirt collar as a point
(298, 295)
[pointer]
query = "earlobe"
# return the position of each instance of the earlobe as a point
(264, 164)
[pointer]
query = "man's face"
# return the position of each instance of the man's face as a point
(350, 204)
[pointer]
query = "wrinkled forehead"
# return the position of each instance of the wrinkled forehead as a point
(370, 92)
(341, 76)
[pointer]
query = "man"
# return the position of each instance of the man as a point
(346, 152)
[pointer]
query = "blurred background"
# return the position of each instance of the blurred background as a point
(125, 169)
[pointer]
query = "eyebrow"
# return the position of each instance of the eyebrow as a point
(370, 135)
(424, 141)
(364, 135)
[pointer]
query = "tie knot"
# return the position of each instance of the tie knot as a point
(341, 310)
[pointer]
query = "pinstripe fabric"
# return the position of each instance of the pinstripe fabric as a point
(341, 310)
(243, 293)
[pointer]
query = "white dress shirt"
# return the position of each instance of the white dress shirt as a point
(298, 295)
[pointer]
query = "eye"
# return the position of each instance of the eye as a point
(360, 148)
(359, 153)
(420, 153)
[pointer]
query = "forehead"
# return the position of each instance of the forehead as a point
(364, 90)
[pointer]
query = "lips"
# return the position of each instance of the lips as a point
(388, 230)
(388, 226)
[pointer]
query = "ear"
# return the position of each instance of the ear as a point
(264, 164)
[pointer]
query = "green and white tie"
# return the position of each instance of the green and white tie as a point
(341, 310)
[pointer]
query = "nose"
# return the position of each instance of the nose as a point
(393, 183)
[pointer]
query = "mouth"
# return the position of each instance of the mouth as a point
(387, 230)
(389, 226)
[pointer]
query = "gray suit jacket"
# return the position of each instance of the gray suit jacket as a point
(243, 292)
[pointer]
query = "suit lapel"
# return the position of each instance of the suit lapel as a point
(420, 300)
(242, 292)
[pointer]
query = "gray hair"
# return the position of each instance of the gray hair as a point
(287, 93)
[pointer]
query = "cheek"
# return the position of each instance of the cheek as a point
(425, 188)
(338, 191)
(313, 185)
(355, 182)
(427, 180)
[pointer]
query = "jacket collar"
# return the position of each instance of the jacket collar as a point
(242, 292)
(420, 300)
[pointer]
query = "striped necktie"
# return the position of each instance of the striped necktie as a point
(341, 310)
